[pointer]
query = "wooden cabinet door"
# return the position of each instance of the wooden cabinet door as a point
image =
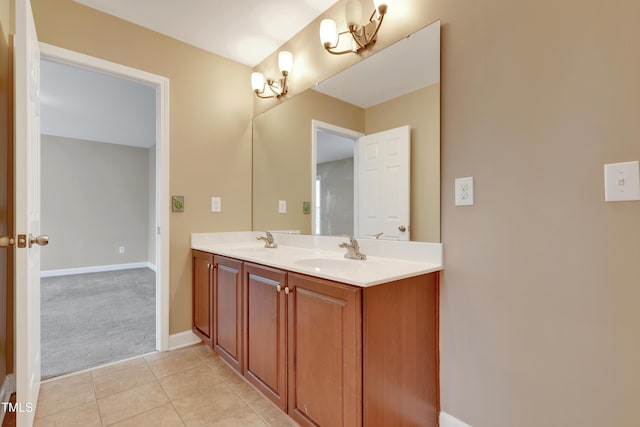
(202, 293)
(325, 352)
(227, 310)
(265, 340)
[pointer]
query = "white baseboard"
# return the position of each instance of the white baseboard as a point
(183, 339)
(7, 389)
(96, 269)
(447, 420)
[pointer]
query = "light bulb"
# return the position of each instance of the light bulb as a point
(328, 32)
(382, 6)
(285, 62)
(257, 82)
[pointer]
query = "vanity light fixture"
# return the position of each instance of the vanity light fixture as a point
(362, 36)
(278, 87)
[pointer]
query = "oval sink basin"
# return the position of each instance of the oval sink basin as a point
(319, 264)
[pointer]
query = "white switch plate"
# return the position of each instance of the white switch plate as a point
(622, 181)
(216, 204)
(282, 206)
(464, 191)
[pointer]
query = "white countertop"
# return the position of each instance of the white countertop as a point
(321, 257)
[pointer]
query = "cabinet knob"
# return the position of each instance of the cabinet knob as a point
(286, 290)
(278, 288)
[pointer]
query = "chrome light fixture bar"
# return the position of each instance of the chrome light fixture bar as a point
(278, 88)
(362, 36)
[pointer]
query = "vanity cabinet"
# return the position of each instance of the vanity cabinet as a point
(265, 331)
(202, 270)
(301, 348)
(327, 353)
(227, 310)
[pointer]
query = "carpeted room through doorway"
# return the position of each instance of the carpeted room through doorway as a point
(96, 318)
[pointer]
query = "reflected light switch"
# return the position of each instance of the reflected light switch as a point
(622, 181)
(216, 204)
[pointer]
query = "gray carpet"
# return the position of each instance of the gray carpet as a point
(92, 319)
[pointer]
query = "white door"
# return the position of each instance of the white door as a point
(383, 184)
(27, 213)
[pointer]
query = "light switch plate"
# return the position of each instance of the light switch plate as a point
(282, 206)
(622, 181)
(464, 191)
(216, 204)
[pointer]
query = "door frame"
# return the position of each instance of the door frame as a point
(317, 125)
(161, 84)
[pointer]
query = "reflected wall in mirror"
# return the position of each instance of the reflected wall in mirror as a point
(333, 193)
(399, 86)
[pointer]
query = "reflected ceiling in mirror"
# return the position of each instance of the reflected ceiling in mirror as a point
(394, 87)
(404, 67)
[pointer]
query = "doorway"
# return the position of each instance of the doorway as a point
(127, 181)
(334, 190)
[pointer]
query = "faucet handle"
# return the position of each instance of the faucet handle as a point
(353, 249)
(269, 241)
(354, 243)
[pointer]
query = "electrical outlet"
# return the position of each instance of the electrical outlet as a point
(464, 191)
(282, 206)
(121, 250)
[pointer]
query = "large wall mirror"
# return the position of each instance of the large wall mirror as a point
(319, 156)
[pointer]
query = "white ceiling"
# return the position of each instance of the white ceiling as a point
(246, 31)
(83, 104)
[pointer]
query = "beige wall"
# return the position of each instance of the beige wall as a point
(210, 125)
(421, 111)
(539, 318)
(282, 157)
(94, 200)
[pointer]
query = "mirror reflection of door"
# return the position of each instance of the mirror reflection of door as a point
(334, 183)
(360, 184)
(383, 182)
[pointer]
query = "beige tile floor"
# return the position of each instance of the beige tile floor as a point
(186, 387)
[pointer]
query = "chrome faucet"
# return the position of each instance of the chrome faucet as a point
(269, 242)
(353, 249)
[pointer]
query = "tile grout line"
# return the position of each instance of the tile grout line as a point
(59, 411)
(171, 401)
(258, 414)
(238, 394)
(95, 394)
(123, 391)
(231, 388)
